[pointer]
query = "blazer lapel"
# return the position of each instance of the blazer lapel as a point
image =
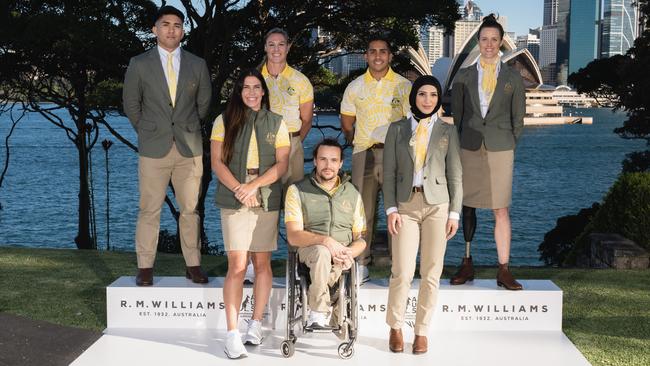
(473, 90)
(434, 139)
(406, 138)
(159, 73)
(502, 79)
(183, 76)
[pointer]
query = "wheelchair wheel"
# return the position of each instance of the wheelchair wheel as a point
(346, 350)
(288, 348)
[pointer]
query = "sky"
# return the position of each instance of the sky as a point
(522, 14)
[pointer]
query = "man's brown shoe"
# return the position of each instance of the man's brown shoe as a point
(420, 345)
(396, 341)
(196, 275)
(465, 272)
(144, 277)
(506, 279)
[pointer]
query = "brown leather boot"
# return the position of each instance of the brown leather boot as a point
(196, 275)
(396, 341)
(144, 277)
(465, 272)
(506, 279)
(420, 345)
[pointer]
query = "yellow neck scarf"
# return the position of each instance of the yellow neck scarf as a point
(489, 81)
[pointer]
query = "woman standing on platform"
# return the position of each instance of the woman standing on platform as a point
(423, 195)
(249, 152)
(489, 104)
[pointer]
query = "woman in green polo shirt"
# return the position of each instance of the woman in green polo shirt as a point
(249, 153)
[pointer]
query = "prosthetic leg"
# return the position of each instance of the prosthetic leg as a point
(466, 271)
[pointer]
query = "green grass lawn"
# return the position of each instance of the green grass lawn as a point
(606, 312)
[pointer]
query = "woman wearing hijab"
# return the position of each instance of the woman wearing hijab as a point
(249, 153)
(423, 196)
(489, 104)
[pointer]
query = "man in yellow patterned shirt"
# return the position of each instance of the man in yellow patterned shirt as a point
(291, 95)
(370, 103)
(325, 221)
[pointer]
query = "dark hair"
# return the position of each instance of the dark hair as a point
(379, 37)
(235, 115)
(490, 21)
(276, 31)
(328, 141)
(166, 10)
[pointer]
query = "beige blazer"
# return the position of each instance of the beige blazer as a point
(442, 168)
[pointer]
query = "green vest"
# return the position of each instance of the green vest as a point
(328, 215)
(266, 126)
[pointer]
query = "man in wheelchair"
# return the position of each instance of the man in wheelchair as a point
(325, 221)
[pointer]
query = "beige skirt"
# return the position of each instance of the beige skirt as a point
(250, 229)
(487, 178)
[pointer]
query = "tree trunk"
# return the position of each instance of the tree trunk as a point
(83, 239)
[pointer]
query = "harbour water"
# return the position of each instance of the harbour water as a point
(558, 170)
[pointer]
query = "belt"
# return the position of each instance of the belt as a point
(294, 133)
(377, 146)
(418, 189)
(255, 171)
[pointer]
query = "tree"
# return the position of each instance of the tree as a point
(65, 60)
(229, 36)
(625, 81)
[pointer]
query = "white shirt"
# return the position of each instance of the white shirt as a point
(418, 177)
(485, 104)
(176, 61)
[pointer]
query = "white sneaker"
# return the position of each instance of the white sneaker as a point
(254, 333)
(234, 347)
(317, 319)
(249, 277)
(364, 274)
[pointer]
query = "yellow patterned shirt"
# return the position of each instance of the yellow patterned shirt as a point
(375, 104)
(287, 92)
(253, 158)
(293, 209)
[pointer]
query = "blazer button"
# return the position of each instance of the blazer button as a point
(483, 123)
(172, 123)
(425, 177)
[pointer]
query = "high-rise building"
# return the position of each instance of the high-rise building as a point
(562, 45)
(530, 42)
(548, 45)
(550, 12)
(432, 40)
(620, 26)
(462, 30)
(584, 33)
(470, 11)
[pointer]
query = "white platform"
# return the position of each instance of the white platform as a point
(205, 348)
(176, 322)
(174, 302)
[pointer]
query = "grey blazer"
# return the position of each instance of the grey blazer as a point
(149, 108)
(442, 169)
(504, 121)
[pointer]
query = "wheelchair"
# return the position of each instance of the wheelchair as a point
(297, 284)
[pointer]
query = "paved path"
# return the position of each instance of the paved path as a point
(26, 342)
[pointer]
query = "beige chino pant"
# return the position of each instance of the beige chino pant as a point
(154, 175)
(367, 176)
(423, 226)
(322, 273)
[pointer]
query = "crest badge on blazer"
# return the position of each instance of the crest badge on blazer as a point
(396, 102)
(443, 143)
(346, 206)
(508, 88)
(291, 91)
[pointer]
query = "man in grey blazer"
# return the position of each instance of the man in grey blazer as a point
(166, 93)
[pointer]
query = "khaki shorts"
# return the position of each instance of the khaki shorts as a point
(250, 229)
